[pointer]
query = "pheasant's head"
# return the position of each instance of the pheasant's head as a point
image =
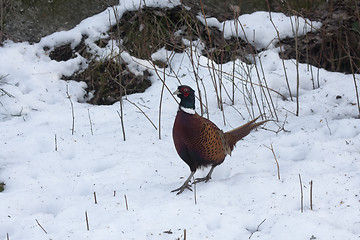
(187, 97)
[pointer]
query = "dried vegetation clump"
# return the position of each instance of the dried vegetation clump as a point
(334, 47)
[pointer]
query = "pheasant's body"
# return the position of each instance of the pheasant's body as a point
(198, 141)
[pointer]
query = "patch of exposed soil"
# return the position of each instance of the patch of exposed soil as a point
(107, 81)
(66, 52)
(29, 20)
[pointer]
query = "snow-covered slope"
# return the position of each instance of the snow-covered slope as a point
(51, 175)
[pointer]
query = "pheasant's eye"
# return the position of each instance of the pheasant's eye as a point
(186, 92)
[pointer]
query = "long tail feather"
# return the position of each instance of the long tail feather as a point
(238, 133)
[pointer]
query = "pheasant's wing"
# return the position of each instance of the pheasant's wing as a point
(208, 142)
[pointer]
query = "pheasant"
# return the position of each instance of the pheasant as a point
(198, 141)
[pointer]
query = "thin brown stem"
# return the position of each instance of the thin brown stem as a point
(195, 193)
(95, 200)
(126, 202)
(121, 116)
(72, 110)
(40, 226)
(353, 73)
(236, 10)
(195, 71)
(87, 221)
(122, 88)
(147, 117)
(56, 147)
(277, 163)
(281, 49)
(162, 80)
(311, 195)
(255, 84)
(91, 128)
(295, 30)
(160, 104)
(257, 229)
(301, 195)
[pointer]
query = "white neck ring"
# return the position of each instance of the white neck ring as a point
(187, 110)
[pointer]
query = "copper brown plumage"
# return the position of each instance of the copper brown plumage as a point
(198, 141)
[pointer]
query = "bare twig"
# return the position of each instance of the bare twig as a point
(255, 84)
(277, 163)
(162, 80)
(147, 117)
(6, 93)
(121, 113)
(311, 195)
(2, 17)
(281, 51)
(126, 203)
(296, 34)
(160, 104)
(40, 226)
(87, 221)
(327, 124)
(91, 129)
(212, 69)
(252, 84)
(56, 147)
(206, 25)
(72, 110)
(301, 195)
(270, 104)
(121, 116)
(236, 10)
(95, 198)
(352, 71)
(195, 193)
(184, 234)
(196, 76)
(195, 70)
(257, 229)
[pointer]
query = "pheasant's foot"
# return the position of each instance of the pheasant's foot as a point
(204, 179)
(207, 178)
(185, 185)
(179, 190)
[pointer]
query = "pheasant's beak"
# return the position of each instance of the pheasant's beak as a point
(177, 92)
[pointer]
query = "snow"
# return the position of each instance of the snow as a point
(51, 175)
(257, 28)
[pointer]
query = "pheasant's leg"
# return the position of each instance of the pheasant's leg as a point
(208, 176)
(185, 185)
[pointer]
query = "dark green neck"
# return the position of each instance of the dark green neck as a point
(188, 103)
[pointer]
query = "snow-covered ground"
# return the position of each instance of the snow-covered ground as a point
(51, 175)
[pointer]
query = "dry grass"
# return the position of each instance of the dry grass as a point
(6, 8)
(146, 30)
(2, 186)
